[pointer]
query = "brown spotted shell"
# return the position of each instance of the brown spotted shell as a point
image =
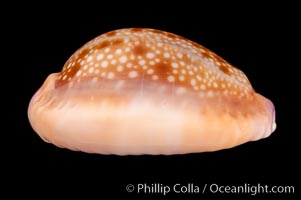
(156, 56)
(146, 91)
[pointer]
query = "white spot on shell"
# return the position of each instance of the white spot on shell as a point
(193, 82)
(180, 55)
(141, 62)
(203, 87)
(132, 57)
(113, 62)
(89, 58)
(171, 78)
(91, 69)
(129, 65)
(103, 74)
(111, 75)
(104, 64)
(166, 55)
(150, 71)
(174, 65)
(78, 73)
(123, 59)
(133, 74)
(99, 56)
(118, 51)
(155, 77)
(119, 68)
(149, 55)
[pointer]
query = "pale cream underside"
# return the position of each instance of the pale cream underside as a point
(144, 127)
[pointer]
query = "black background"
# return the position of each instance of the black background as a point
(257, 40)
